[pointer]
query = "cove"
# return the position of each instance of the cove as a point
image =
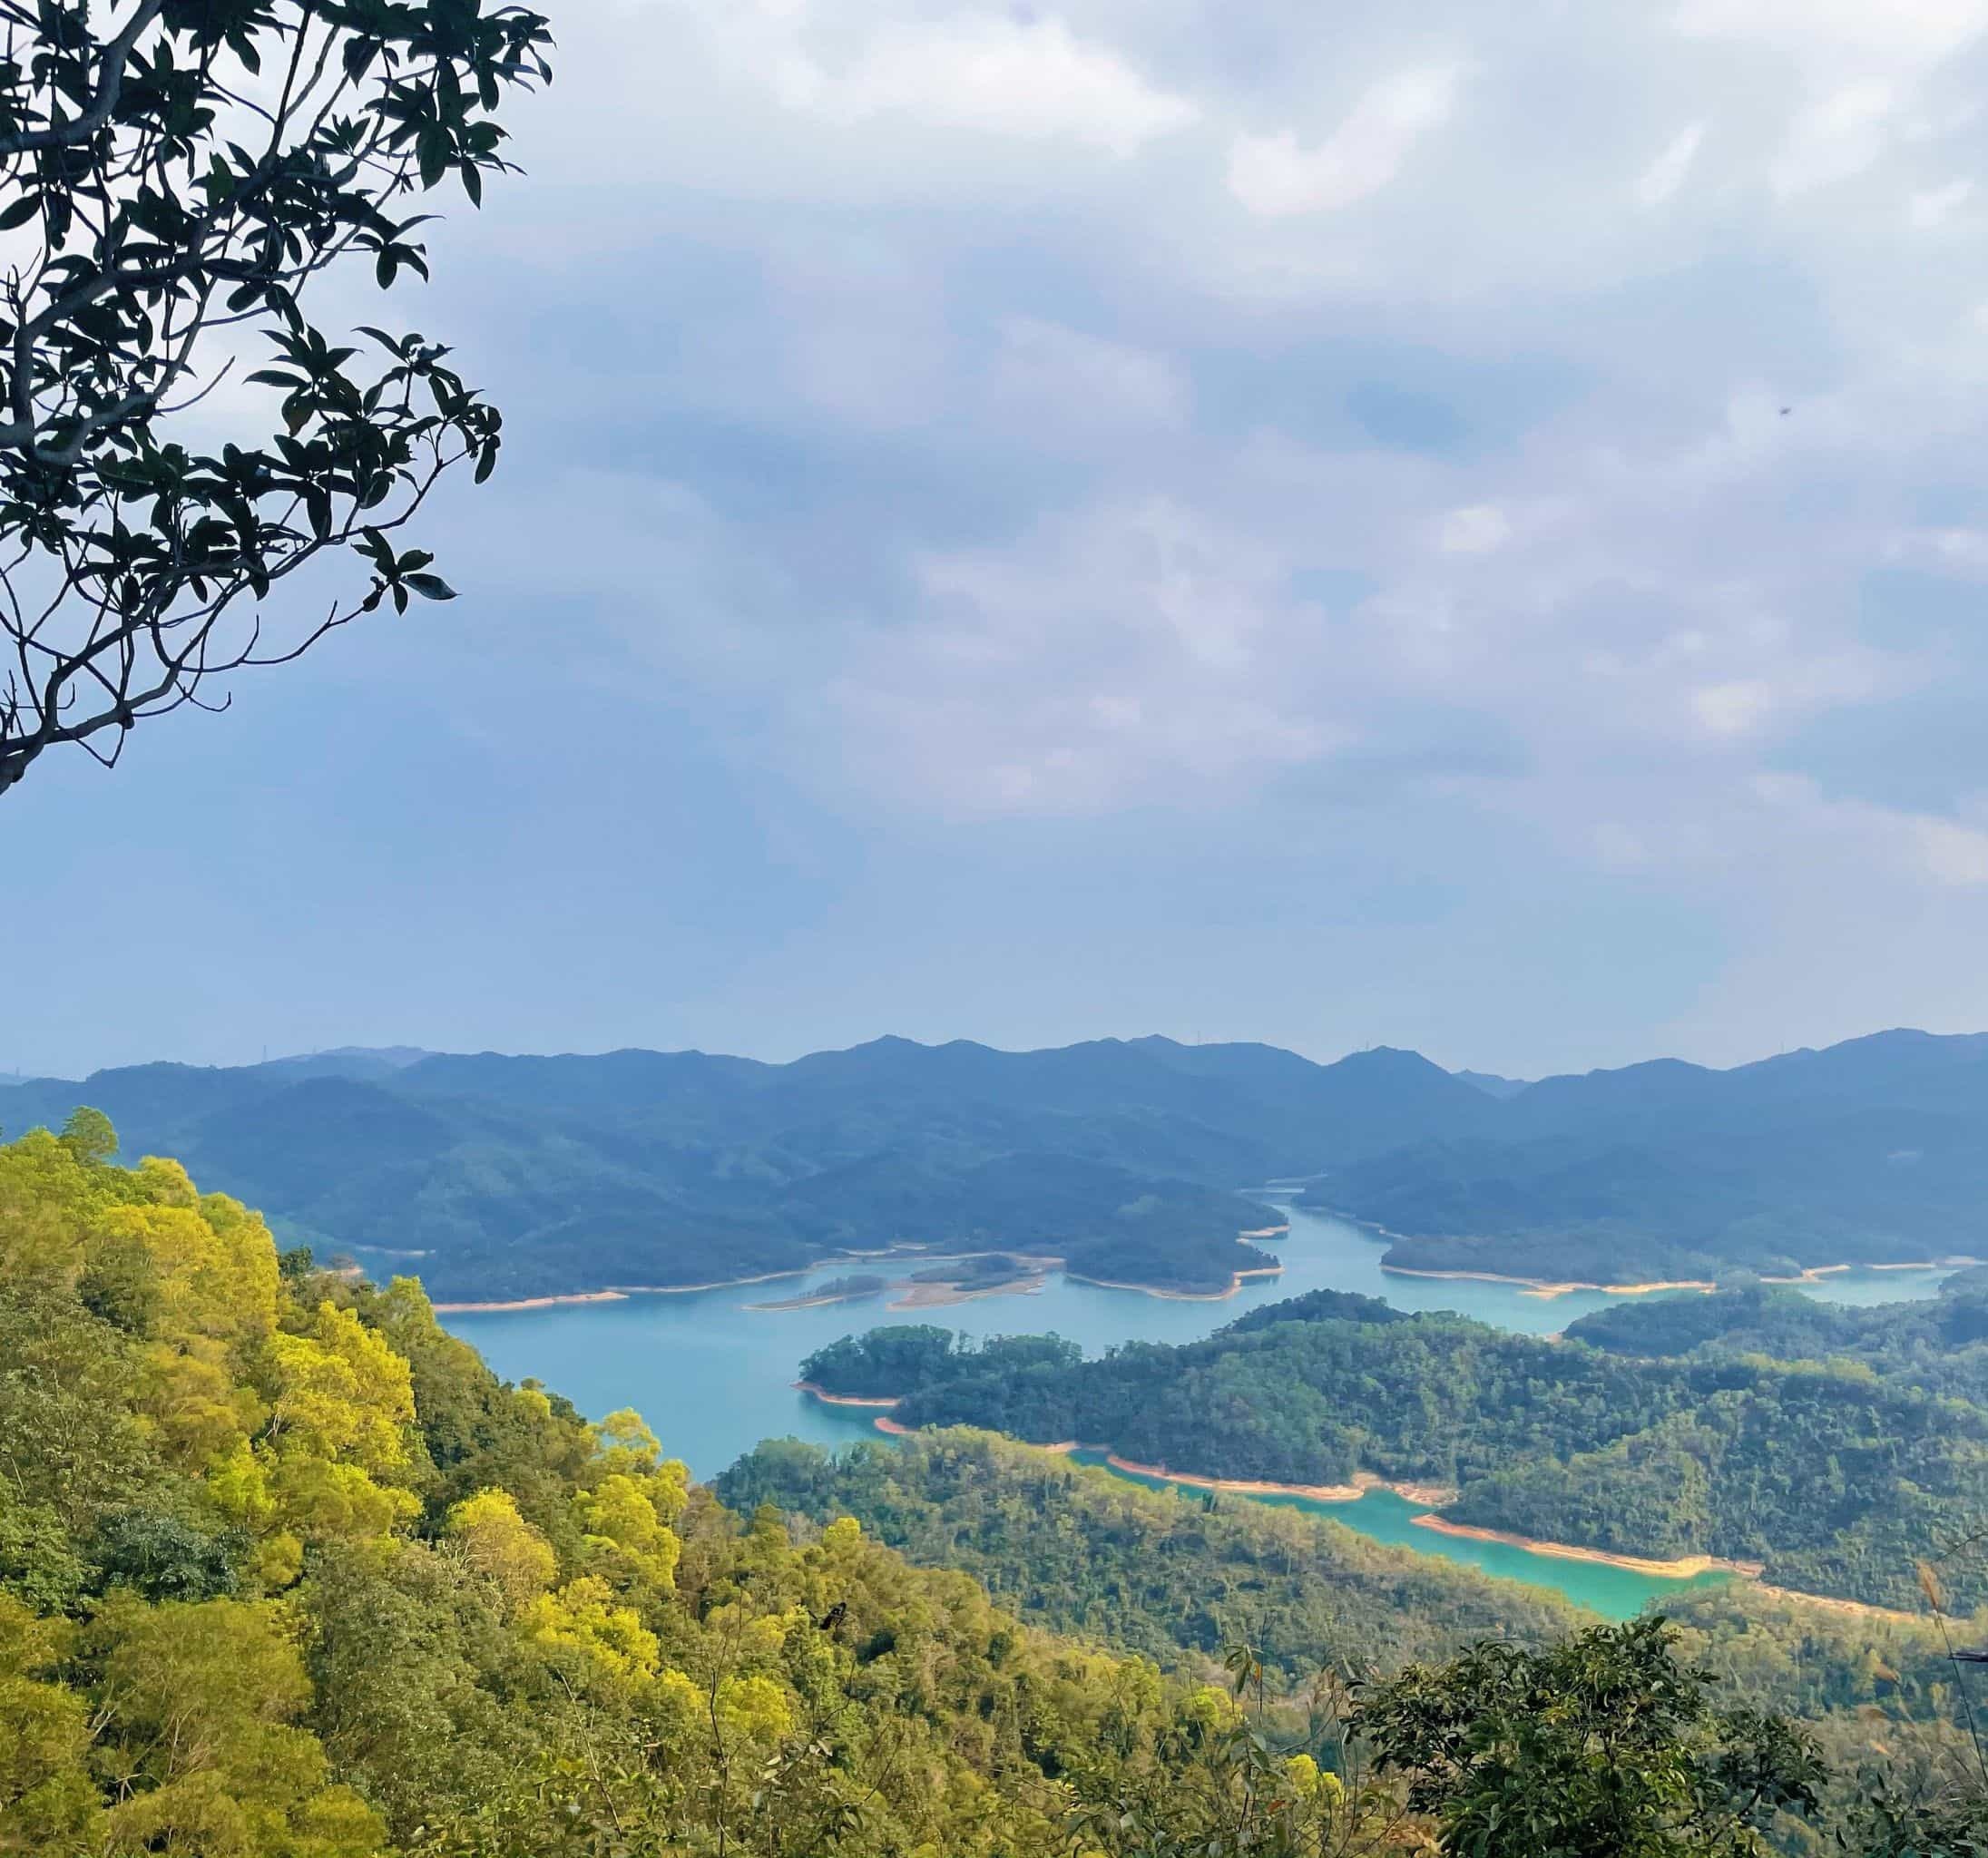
(714, 1377)
(1616, 1593)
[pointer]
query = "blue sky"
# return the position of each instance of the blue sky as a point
(1034, 523)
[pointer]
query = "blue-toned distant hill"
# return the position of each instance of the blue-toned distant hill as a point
(508, 1177)
(499, 1176)
(1872, 1151)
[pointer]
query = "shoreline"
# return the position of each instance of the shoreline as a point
(616, 1293)
(817, 1302)
(1235, 1285)
(933, 1297)
(1545, 1287)
(1039, 1265)
(1681, 1567)
(1548, 1289)
(1362, 1482)
(828, 1399)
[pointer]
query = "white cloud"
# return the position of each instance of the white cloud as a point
(1476, 530)
(1666, 174)
(991, 73)
(1935, 205)
(1834, 139)
(1274, 176)
(1955, 856)
(1734, 709)
(1897, 31)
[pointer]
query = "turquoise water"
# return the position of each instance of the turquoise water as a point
(714, 1377)
(1616, 1593)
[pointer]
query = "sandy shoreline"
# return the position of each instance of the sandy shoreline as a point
(1235, 1284)
(1541, 1287)
(917, 1296)
(1363, 1481)
(1683, 1568)
(828, 1399)
(933, 1297)
(619, 1293)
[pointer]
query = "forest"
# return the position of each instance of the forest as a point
(1831, 1474)
(287, 1572)
(517, 1178)
(513, 1177)
(1178, 1576)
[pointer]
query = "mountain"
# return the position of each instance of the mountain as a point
(1491, 1084)
(497, 1176)
(504, 1176)
(1872, 1151)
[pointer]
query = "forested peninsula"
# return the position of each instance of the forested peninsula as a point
(1833, 1475)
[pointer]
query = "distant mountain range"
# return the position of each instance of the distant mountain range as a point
(497, 1176)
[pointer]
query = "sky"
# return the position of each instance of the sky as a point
(1456, 527)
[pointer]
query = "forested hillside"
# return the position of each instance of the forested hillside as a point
(1871, 1152)
(1179, 1576)
(1836, 1477)
(1075, 1549)
(514, 1177)
(501, 1178)
(286, 1572)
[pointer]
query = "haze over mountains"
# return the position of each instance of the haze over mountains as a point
(512, 1175)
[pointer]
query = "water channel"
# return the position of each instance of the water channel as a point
(714, 1377)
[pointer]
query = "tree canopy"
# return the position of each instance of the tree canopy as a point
(174, 175)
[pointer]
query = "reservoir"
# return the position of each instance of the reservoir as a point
(714, 1377)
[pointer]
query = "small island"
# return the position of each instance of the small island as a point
(985, 1273)
(851, 1289)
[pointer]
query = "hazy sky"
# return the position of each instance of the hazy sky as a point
(1136, 515)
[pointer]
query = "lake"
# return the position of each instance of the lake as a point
(715, 1377)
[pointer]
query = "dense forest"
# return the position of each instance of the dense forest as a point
(1832, 1475)
(286, 1572)
(1179, 1576)
(500, 1177)
(1075, 1549)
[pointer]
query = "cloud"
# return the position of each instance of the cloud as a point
(1837, 137)
(1474, 531)
(992, 74)
(1666, 174)
(1274, 176)
(1934, 206)
(1010, 423)
(1915, 31)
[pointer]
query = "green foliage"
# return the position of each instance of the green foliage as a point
(1076, 1550)
(1601, 1747)
(1833, 1476)
(520, 1177)
(150, 210)
(286, 1572)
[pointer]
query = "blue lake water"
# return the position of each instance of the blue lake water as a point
(714, 1377)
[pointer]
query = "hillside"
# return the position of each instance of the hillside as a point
(1835, 1476)
(516, 1176)
(502, 1177)
(287, 1572)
